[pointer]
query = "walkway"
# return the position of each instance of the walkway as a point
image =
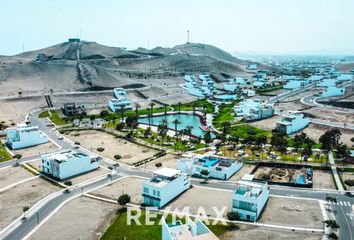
(335, 172)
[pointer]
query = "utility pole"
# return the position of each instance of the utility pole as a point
(23, 47)
(37, 218)
(187, 36)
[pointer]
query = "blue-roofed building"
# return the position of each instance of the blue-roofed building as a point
(23, 136)
(191, 230)
(332, 92)
(218, 168)
(249, 199)
(292, 122)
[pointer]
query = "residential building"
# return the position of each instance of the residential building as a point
(205, 89)
(40, 58)
(327, 83)
(191, 230)
(253, 109)
(249, 199)
(119, 92)
(165, 185)
(252, 66)
(292, 122)
(345, 77)
(293, 84)
(71, 109)
(68, 163)
(332, 92)
(24, 136)
(315, 78)
(120, 101)
(249, 92)
(218, 168)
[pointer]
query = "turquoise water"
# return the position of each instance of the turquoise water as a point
(210, 161)
(225, 97)
(301, 180)
(185, 119)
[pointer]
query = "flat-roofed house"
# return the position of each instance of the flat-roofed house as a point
(292, 122)
(249, 199)
(218, 168)
(165, 185)
(120, 101)
(68, 163)
(191, 230)
(253, 109)
(332, 92)
(23, 136)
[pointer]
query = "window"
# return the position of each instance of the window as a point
(146, 190)
(154, 192)
(158, 193)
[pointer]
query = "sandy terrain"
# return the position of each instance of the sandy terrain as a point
(266, 124)
(348, 175)
(292, 212)
(260, 233)
(37, 150)
(130, 185)
(26, 194)
(12, 175)
(246, 169)
(130, 152)
(202, 197)
(323, 180)
(81, 218)
(168, 160)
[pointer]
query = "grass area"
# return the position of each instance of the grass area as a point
(198, 103)
(290, 141)
(119, 229)
(225, 114)
(56, 119)
(4, 155)
(244, 130)
(269, 89)
(43, 114)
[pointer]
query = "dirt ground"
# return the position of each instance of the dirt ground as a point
(323, 180)
(81, 178)
(130, 185)
(26, 194)
(202, 197)
(315, 131)
(266, 124)
(292, 212)
(12, 175)
(37, 150)
(246, 169)
(168, 160)
(81, 218)
(130, 152)
(260, 233)
(348, 175)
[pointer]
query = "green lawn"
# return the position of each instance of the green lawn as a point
(43, 114)
(198, 103)
(225, 114)
(269, 89)
(119, 229)
(5, 156)
(244, 130)
(56, 119)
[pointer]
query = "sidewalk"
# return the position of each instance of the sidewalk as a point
(335, 172)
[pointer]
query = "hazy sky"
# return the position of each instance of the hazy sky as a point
(281, 26)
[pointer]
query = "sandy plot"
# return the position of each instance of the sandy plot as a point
(130, 185)
(292, 212)
(81, 218)
(260, 233)
(129, 152)
(168, 160)
(266, 124)
(323, 180)
(37, 150)
(246, 169)
(203, 197)
(315, 131)
(348, 175)
(12, 175)
(26, 194)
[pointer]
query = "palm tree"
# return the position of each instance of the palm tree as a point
(165, 109)
(122, 112)
(189, 130)
(225, 125)
(151, 107)
(194, 105)
(179, 107)
(176, 122)
(137, 106)
(162, 129)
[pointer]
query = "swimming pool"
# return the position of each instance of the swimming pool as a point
(225, 97)
(185, 119)
(301, 180)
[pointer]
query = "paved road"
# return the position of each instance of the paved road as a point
(343, 210)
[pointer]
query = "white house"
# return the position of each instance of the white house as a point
(315, 78)
(24, 136)
(68, 163)
(332, 92)
(164, 186)
(292, 122)
(252, 66)
(191, 230)
(345, 77)
(293, 84)
(119, 92)
(121, 100)
(249, 199)
(253, 109)
(205, 89)
(327, 83)
(218, 168)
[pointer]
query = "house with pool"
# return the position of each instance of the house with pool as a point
(191, 230)
(249, 199)
(253, 109)
(164, 186)
(218, 168)
(292, 122)
(68, 163)
(23, 136)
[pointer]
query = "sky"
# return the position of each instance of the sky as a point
(257, 26)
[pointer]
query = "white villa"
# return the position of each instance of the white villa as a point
(24, 136)
(164, 186)
(252, 66)
(120, 101)
(192, 230)
(249, 199)
(68, 163)
(345, 77)
(298, 83)
(218, 168)
(292, 122)
(327, 83)
(332, 92)
(253, 109)
(205, 89)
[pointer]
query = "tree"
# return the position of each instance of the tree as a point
(204, 173)
(68, 183)
(117, 157)
(342, 151)
(120, 126)
(331, 224)
(179, 107)
(278, 141)
(162, 129)
(331, 199)
(104, 113)
(330, 139)
(194, 106)
(147, 132)
(137, 106)
(122, 112)
(234, 140)
(233, 216)
(225, 126)
(299, 140)
(207, 137)
(152, 108)
(100, 149)
(176, 122)
(123, 199)
(188, 130)
(92, 118)
(132, 122)
(25, 210)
